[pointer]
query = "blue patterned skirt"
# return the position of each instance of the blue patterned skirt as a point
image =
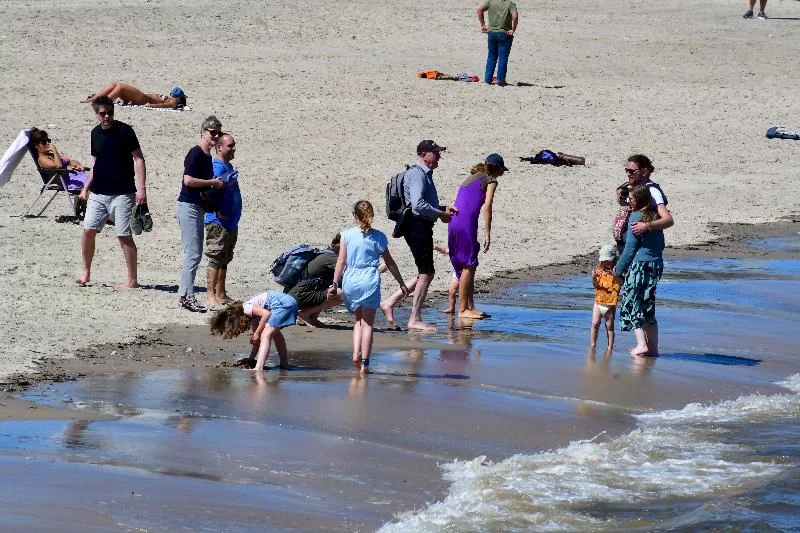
(638, 295)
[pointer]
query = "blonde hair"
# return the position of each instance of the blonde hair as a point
(230, 322)
(364, 214)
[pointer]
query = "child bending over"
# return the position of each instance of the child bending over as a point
(268, 313)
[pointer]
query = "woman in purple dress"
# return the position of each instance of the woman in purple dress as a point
(476, 192)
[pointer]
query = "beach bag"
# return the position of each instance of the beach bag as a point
(290, 267)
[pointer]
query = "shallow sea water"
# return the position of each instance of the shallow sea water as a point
(516, 428)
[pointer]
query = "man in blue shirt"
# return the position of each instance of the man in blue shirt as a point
(222, 226)
(420, 194)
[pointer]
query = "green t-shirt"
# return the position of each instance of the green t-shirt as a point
(499, 15)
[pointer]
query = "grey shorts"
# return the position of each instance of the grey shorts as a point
(118, 207)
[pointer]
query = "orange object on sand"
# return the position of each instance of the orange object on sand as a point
(429, 74)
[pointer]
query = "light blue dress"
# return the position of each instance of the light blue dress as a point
(361, 283)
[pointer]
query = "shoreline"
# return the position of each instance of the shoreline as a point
(195, 347)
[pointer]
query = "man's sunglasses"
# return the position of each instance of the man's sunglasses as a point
(106, 113)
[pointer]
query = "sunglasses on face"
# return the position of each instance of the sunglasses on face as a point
(106, 113)
(214, 133)
(630, 171)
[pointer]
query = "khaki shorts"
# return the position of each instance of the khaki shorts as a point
(219, 245)
(102, 207)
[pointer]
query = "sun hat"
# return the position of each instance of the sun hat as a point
(497, 160)
(608, 252)
(177, 92)
(428, 145)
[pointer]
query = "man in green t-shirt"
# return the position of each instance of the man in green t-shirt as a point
(503, 20)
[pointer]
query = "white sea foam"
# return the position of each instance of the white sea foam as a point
(672, 456)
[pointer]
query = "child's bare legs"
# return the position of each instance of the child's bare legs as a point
(595, 326)
(452, 296)
(267, 336)
(641, 342)
(362, 338)
(465, 290)
(387, 306)
(280, 346)
(610, 314)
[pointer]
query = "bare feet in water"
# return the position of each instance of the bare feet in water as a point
(639, 350)
(448, 310)
(421, 326)
(471, 313)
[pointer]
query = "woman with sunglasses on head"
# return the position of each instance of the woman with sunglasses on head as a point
(198, 177)
(125, 94)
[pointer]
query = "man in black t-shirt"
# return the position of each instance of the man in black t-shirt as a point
(116, 183)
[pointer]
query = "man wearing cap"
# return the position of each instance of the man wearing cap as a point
(503, 19)
(420, 193)
(114, 190)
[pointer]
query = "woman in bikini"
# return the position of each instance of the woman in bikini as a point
(128, 94)
(48, 157)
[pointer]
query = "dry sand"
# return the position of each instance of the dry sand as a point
(325, 105)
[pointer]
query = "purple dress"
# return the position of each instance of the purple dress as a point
(462, 232)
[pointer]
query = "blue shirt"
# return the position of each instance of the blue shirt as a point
(420, 192)
(647, 247)
(231, 206)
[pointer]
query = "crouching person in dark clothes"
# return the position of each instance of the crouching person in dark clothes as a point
(311, 292)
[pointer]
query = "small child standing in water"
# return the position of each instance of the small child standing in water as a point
(606, 294)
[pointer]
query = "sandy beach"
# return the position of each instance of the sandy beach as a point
(325, 106)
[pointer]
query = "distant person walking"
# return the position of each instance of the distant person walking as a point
(222, 226)
(762, 4)
(474, 195)
(503, 19)
(360, 250)
(420, 194)
(642, 265)
(114, 191)
(198, 175)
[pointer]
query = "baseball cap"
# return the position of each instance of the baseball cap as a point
(608, 252)
(496, 159)
(177, 92)
(429, 146)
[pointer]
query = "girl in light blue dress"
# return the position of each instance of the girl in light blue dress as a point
(361, 249)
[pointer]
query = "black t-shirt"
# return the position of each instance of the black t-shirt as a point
(113, 165)
(197, 164)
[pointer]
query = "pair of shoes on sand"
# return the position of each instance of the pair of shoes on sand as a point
(141, 220)
(749, 15)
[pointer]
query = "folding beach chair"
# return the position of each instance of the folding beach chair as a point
(56, 180)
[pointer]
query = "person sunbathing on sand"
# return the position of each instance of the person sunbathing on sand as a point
(124, 94)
